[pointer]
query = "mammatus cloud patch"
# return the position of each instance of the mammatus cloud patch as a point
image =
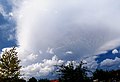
(47, 28)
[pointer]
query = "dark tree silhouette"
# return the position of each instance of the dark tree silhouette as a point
(98, 74)
(32, 79)
(103, 75)
(71, 73)
(9, 66)
(22, 80)
(107, 76)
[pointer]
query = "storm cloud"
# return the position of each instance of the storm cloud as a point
(81, 27)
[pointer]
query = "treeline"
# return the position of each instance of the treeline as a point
(79, 73)
(10, 71)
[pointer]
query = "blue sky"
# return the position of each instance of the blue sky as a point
(6, 26)
(47, 33)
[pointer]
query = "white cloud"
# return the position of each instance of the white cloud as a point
(50, 51)
(73, 62)
(84, 27)
(110, 45)
(32, 57)
(41, 69)
(1, 9)
(91, 63)
(115, 51)
(11, 37)
(4, 13)
(110, 62)
(75, 31)
(69, 52)
(101, 52)
(11, 14)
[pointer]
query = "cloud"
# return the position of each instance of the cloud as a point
(2, 11)
(48, 28)
(69, 52)
(41, 69)
(11, 37)
(7, 15)
(82, 29)
(7, 24)
(32, 57)
(50, 51)
(91, 63)
(110, 62)
(115, 51)
(110, 45)
(1, 8)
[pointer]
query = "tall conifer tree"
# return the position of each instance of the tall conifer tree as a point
(9, 65)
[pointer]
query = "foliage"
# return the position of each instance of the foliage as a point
(9, 65)
(71, 73)
(32, 79)
(21, 80)
(100, 74)
(106, 76)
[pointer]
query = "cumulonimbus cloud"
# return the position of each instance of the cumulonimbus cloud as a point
(80, 26)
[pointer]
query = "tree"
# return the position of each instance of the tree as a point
(106, 76)
(21, 80)
(9, 66)
(71, 73)
(32, 79)
(102, 75)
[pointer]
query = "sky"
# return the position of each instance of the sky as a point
(48, 33)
